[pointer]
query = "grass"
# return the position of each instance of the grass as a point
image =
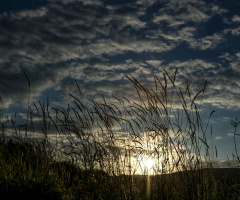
(96, 150)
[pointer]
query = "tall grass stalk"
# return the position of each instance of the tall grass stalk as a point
(98, 149)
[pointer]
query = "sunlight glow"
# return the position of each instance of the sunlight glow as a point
(149, 163)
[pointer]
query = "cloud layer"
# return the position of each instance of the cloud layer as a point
(97, 43)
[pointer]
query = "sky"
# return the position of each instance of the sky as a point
(98, 42)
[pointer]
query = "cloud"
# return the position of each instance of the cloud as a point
(176, 12)
(98, 43)
(39, 12)
(236, 19)
(208, 42)
(155, 63)
(184, 21)
(234, 64)
(218, 138)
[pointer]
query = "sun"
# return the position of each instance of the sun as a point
(148, 163)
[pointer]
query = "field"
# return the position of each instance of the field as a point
(154, 147)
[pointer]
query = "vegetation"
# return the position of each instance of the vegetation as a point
(100, 150)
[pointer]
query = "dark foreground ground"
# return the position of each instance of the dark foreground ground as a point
(27, 172)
